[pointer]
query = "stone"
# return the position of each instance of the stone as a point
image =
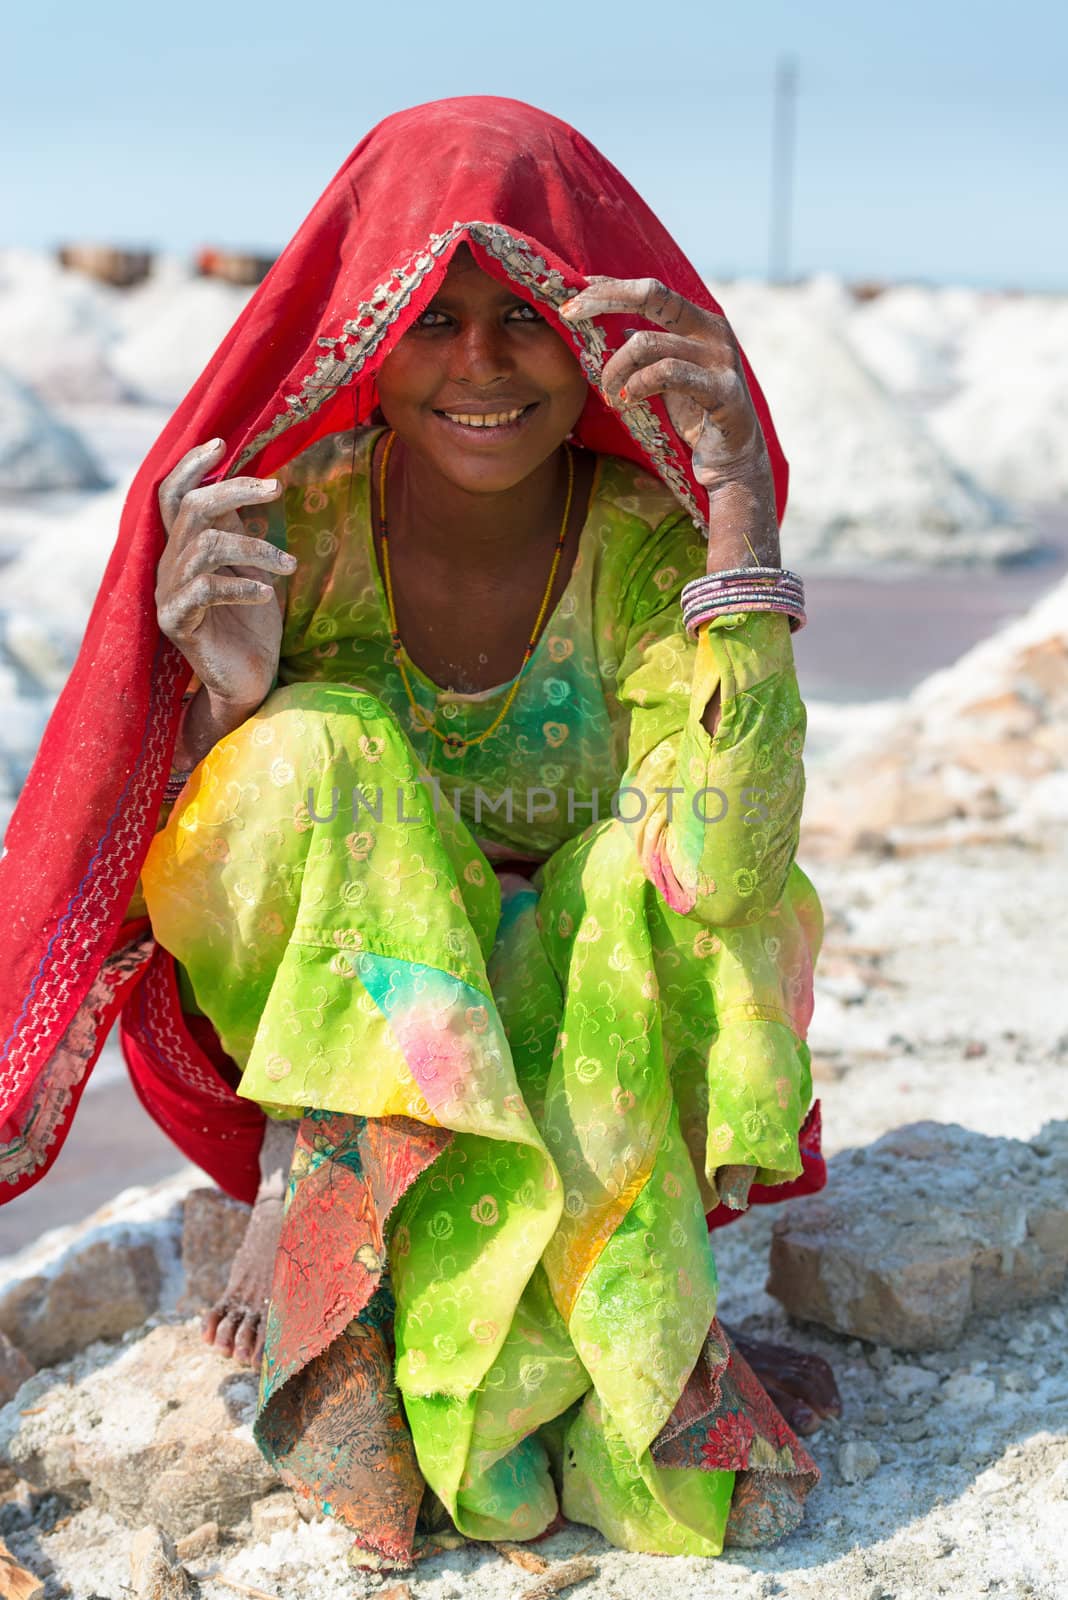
(212, 1231)
(276, 1513)
(161, 1429)
(96, 1292)
(903, 1381)
(858, 1460)
(14, 1369)
(912, 1237)
(965, 1389)
(155, 1570)
(203, 1541)
(16, 1581)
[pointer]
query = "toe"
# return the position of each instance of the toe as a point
(246, 1337)
(224, 1333)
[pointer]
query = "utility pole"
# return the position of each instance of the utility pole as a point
(783, 139)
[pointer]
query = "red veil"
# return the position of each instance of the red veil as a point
(542, 210)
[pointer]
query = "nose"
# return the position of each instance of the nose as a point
(481, 355)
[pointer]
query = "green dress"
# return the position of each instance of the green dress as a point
(516, 1097)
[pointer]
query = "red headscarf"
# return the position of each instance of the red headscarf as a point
(541, 210)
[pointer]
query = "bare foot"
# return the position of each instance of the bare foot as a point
(801, 1385)
(237, 1325)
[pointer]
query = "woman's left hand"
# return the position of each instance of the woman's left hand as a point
(696, 365)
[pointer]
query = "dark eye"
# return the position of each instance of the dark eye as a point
(525, 313)
(430, 318)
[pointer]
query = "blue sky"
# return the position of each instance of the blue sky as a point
(932, 137)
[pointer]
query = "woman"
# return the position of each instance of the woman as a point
(531, 1039)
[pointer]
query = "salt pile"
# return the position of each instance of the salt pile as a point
(868, 484)
(1008, 420)
(46, 594)
(37, 451)
(909, 337)
(55, 329)
(171, 330)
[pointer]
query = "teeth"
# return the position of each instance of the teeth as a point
(495, 419)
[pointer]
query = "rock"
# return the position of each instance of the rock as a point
(97, 1292)
(911, 1238)
(903, 1381)
(858, 1460)
(155, 1569)
(203, 1541)
(161, 1430)
(14, 1369)
(277, 1512)
(16, 1583)
(212, 1231)
(964, 1389)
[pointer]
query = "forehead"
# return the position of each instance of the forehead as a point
(464, 277)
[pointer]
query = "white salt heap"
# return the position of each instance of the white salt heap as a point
(868, 484)
(1007, 422)
(56, 327)
(37, 451)
(171, 330)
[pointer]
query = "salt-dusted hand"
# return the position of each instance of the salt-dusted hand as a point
(214, 596)
(733, 1185)
(692, 359)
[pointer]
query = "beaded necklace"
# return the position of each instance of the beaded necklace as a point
(453, 741)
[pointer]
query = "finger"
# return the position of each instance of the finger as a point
(215, 547)
(184, 613)
(190, 471)
(715, 391)
(645, 297)
(733, 1184)
(203, 506)
(646, 347)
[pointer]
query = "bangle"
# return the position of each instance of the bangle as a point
(174, 786)
(719, 594)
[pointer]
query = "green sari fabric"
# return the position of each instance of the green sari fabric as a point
(596, 1044)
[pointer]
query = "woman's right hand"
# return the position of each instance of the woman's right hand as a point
(214, 597)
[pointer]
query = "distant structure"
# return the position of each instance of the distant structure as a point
(783, 141)
(106, 263)
(233, 266)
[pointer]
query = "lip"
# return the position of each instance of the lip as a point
(494, 435)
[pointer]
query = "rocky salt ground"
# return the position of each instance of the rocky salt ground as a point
(948, 1473)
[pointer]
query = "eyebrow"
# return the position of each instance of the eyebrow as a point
(448, 297)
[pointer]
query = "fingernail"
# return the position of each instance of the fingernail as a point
(566, 309)
(622, 394)
(216, 444)
(288, 560)
(272, 485)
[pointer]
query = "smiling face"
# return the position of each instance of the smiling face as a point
(480, 386)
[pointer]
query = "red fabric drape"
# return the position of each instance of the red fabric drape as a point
(540, 208)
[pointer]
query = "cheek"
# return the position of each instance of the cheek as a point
(406, 377)
(562, 376)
